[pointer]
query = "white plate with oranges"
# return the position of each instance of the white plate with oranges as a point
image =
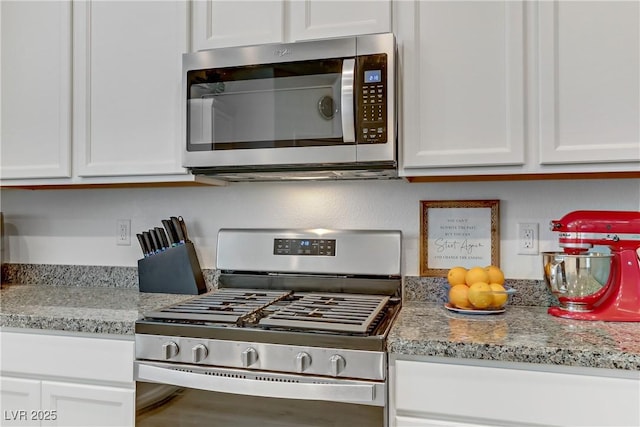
(477, 290)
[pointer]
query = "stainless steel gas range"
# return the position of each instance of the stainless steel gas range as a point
(295, 334)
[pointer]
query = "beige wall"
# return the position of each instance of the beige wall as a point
(78, 226)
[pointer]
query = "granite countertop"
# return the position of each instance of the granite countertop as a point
(78, 309)
(520, 334)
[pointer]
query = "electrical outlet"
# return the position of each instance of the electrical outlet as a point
(528, 238)
(123, 232)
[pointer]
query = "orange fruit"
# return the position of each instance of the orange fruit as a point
(476, 274)
(456, 276)
(458, 296)
(480, 295)
(499, 295)
(495, 274)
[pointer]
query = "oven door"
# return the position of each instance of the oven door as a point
(186, 395)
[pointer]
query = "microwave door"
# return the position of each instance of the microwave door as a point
(241, 115)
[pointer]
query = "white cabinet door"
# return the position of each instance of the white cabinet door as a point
(462, 68)
(127, 86)
(225, 23)
(88, 405)
(18, 398)
(36, 89)
(457, 393)
(317, 19)
(589, 64)
(76, 368)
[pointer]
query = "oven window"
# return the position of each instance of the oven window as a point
(293, 104)
(168, 406)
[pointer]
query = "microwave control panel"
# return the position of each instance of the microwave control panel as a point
(371, 104)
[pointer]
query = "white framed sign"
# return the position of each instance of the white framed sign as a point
(461, 233)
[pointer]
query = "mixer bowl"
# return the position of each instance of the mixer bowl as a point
(577, 280)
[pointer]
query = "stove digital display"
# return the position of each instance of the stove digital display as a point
(317, 247)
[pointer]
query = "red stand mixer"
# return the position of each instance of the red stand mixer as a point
(619, 299)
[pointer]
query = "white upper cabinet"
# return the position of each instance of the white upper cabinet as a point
(92, 92)
(236, 23)
(36, 89)
(503, 88)
(589, 64)
(225, 23)
(127, 86)
(462, 68)
(317, 19)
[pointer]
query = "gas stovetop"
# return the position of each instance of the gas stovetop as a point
(339, 313)
(287, 303)
(282, 317)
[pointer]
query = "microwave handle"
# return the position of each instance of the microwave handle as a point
(346, 101)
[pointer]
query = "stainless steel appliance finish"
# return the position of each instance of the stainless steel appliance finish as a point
(307, 110)
(295, 336)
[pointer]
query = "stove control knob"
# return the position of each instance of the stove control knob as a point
(199, 353)
(303, 361)
(337, 364)
(170, 349)
(249, 357)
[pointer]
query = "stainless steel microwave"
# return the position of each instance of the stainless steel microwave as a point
(311, 110)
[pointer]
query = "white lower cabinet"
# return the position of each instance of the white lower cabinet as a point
(66, 380)
(18, 397)
(446, 392)
(87, 405)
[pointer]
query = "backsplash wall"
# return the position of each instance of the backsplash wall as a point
(78, 227)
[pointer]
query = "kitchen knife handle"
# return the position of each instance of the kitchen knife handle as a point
(183, 227)
(147, 239)
(178, 229)
(173, 239)
(143, 245)
(163, 238)
(155, 240)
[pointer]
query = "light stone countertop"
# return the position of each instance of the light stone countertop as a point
(520, 334)
(100, 310)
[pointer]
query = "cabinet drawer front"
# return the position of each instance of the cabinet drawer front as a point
(486, 394)
(75, 357)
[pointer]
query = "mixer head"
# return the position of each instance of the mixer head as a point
(581, 230)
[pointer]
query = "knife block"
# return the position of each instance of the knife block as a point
(173, 271)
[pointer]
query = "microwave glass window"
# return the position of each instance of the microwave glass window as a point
(265, 106)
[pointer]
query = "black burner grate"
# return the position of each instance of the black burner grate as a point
(224, 305)
(330, 312)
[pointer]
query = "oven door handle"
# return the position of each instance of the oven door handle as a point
(333, 392)
(346, 101)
